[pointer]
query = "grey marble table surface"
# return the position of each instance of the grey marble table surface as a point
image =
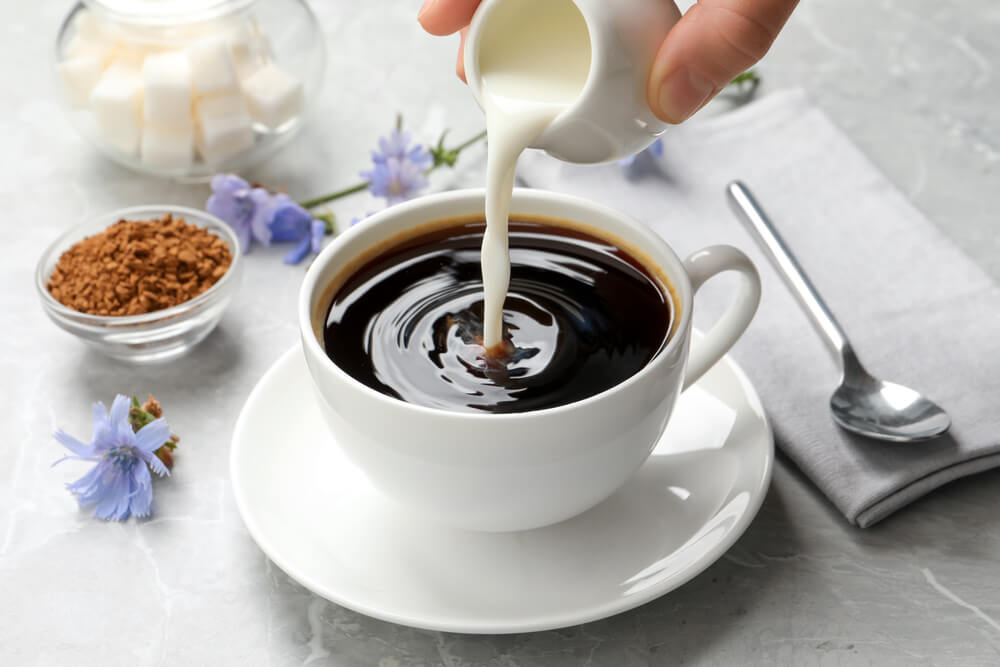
(916, 83)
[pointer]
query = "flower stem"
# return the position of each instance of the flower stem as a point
(451, 153)
(463, 146)
(313, 203)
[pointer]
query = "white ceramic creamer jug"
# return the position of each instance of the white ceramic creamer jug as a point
(600, 51)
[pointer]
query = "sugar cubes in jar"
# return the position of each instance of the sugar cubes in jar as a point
(188, 88)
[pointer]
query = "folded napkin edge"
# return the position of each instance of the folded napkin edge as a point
(906, 495)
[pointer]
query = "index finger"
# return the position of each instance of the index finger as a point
(443, 17)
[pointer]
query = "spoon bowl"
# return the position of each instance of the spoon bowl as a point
(887, 411)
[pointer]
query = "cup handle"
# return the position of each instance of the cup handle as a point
(701, 266)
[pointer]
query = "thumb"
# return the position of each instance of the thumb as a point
(712, 43)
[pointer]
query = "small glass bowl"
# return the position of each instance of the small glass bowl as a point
(157, 336)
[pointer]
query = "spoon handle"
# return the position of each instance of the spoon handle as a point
(762, 229)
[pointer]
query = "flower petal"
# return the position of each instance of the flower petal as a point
(298, 253)
(88, 487)
(113, 504)
(106, 487)
(638, 163)
(69, 457)
(228, 184)
(243, 234)
(119, 410)
(152, 436)
(101, 425)
(156, 464)
(394, 145)
(225, 208)
(290, 222)
(378, 178)
(121, 427)
(385, 147)
(263, 209)
(318, 231)
(81, 449)
(407, 179)
(142, 494)
(357, 219)
(419, 156)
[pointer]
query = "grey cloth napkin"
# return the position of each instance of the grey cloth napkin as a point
(917, 310)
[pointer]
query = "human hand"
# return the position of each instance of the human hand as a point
(712, 43)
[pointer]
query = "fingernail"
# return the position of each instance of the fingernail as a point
(683, 93)
(424, 9)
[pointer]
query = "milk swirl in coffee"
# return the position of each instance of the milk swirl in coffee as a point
(533, 63)
(582, 316)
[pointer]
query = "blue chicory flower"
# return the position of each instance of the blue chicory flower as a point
(246, 209)
(258, 215)
(397, 145)
(398, 170)
(119, 485)
(291, 222)
(655, 149)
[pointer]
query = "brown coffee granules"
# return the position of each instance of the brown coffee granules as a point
(135, 267)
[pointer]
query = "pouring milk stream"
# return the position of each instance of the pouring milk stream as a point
(528, 62)
(530, 72)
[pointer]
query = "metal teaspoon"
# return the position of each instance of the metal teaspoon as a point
(861, 404)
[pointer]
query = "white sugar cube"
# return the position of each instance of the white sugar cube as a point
(264, 49)
(86, 55)
(79, 76)
(224, 127)
(261, 43)
(166, 79)
(167, 147)
(242, 51)
(273, 95)
(89, 27)
(249, 48)
(211, 66)
(117, 105)
(132, 53)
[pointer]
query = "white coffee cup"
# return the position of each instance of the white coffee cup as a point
(611, 118)
(501, 472)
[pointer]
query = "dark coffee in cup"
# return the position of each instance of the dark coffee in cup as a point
(581, 316)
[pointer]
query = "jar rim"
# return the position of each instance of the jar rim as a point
(165, 12)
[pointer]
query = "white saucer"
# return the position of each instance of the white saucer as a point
(317, 517)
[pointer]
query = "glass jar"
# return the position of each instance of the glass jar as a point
(185, 89)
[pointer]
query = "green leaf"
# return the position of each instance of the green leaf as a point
(748, 77)
(138, 417)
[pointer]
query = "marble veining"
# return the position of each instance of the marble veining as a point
(932, 580)
(913, 82)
